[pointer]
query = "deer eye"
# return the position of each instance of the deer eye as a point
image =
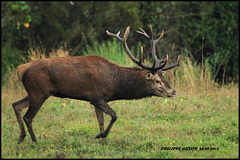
(158, 81)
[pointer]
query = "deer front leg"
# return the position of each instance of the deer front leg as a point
(103, 106)
(100, 118)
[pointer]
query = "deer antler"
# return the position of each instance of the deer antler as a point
(124, 42)
(157, 63)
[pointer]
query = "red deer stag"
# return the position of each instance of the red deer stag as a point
(90, 78)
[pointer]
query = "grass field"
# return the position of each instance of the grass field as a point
(201, 122)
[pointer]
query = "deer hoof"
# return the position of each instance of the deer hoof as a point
(21, 138)
(101, 135)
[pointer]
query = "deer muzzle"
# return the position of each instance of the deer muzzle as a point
(172, 93)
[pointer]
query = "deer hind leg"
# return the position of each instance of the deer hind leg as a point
(34, 107)
(105, 108)
(18, 107)
(100, 118)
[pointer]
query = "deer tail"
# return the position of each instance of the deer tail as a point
(21, 70)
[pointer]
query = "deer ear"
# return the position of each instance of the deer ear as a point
(149, 75)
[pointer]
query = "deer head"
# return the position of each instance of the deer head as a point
(154, 76)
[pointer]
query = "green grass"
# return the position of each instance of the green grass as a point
(66, 128)
(111, 50)
(203, 115)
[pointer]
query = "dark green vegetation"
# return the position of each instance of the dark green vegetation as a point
(198, 29)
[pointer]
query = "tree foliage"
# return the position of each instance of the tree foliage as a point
(210, 29)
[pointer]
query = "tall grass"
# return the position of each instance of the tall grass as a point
(204, 114)
(111, 50)
(190, 75)
(40, 53)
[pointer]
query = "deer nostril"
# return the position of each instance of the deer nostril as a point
(174, 93)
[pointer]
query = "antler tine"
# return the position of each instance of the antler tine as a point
(143, 33)
(151, 31)
(160, 37)
(172, 65)
(126, 47)
(115, 35)
(141, 55)
(154, 41)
